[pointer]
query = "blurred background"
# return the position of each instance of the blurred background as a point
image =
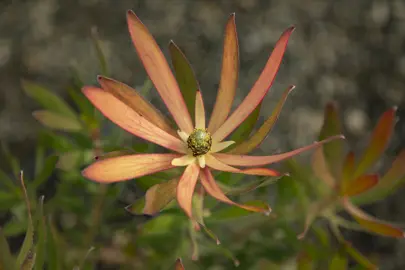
(351, 52)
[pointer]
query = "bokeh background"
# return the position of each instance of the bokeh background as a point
(348, 51)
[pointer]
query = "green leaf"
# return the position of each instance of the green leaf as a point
(46, 172)
(358, 257)
(86, 108)
(57, 121)
(13, 162)
(234, 212)
(47, 99)
(338, 262)
(237, 190)
(41, 239)
(245, 129)
(99, 51)
(304, 261)
(8, 182)
(333, 150)
(185, 76)
(6, 259)
(260, 135)
(26, 252)
(74, 159)
(379, 141)
(8, 200)
(54, 248)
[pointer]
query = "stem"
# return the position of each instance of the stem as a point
(97, 209)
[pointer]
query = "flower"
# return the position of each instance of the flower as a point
(196, 146)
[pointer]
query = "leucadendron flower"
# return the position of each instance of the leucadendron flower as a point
(196, 146)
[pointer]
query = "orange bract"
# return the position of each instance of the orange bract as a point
(126, 108)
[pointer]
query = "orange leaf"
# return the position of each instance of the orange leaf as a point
(185, 188)
(229, 77)
(359, 185)
(159, 195)
(379, 140)
(370, 223)
(258, 91)
(159, 72)
(135, 101)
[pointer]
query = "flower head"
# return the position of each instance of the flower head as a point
(196, 146)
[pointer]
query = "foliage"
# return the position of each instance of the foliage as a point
(63, 221)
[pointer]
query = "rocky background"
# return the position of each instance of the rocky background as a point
(348, 51)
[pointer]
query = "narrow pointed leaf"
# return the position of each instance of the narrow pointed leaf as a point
(348, 168)
(234, 212)
(47, 99)
(135, 101)
(159, 72)
(212, 188)
(358, 257)
(359, 185)
(321, 168)
(46, 172)
(242, 133)
(6, 259)
(185, 188)
(158, 196)
(260, 135)
(26, 250)
(334, 150)
(185, 76)
(98, 46)
(371, 223)
(217, 164)
(129, 120)
(388, 184)
(258, 91)
(229, 77)
(378, 142)
(245, 160)
(128, 167)
(237, 190)
(57, 121)
(199, 111)
(40, 247)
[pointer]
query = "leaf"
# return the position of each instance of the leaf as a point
(338, 262)
(333, 150)
(86, 109)
(371, 223)
(74, 159)
(348, 168)
(6, 259)
(46, 172)
(245, 129)
(358, 257)
(8, 200)
(99, 51)
(379, 141)
(388, 183)
(41, 240)
(237, 190)
(47, 99)
(29, 261)
(359, 185)
(7, 181)
(260, 135)
(81, 265)
(158, 196)
(26, 253)
(179, 265)
(320, 167)
(13, 162)
(185, 76)
(234, 212)
(54, 248)
(57, 121)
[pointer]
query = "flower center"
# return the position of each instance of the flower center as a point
(199, 142)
